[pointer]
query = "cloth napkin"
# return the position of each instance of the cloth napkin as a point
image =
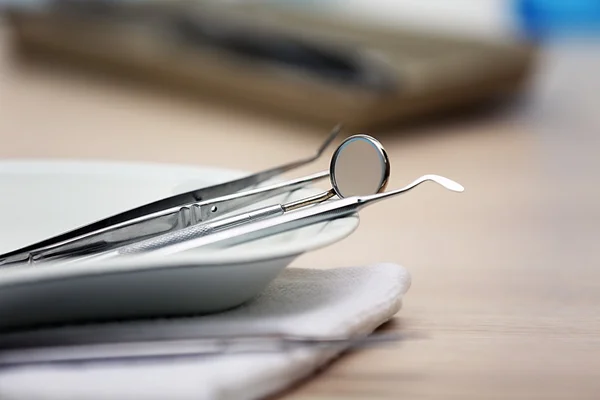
(341, 301)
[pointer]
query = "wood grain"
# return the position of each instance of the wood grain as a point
(506, 284)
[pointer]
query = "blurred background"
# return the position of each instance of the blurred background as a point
(502, 96)
(368, 64)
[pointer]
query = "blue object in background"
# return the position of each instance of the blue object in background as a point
(540, 19)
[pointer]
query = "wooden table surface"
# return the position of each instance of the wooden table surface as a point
(506, 276)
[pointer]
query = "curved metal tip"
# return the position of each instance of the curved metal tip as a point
(445, 182)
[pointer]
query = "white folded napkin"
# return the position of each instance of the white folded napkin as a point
(337, 302)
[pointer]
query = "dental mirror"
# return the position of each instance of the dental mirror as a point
(359, 167)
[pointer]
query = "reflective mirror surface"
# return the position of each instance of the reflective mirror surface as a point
(359, 167)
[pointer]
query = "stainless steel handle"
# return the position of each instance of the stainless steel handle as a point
(224, 232)
(260, 227)
(200, 230)
(116, 236)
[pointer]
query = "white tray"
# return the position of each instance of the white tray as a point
(43, 198)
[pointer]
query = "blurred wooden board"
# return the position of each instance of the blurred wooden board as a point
(435, 74)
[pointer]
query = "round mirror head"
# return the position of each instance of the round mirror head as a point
(359, 167)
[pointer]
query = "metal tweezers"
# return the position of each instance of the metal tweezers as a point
(166, 215)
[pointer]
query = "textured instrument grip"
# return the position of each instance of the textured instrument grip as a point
(200, 230)
(168, 239)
